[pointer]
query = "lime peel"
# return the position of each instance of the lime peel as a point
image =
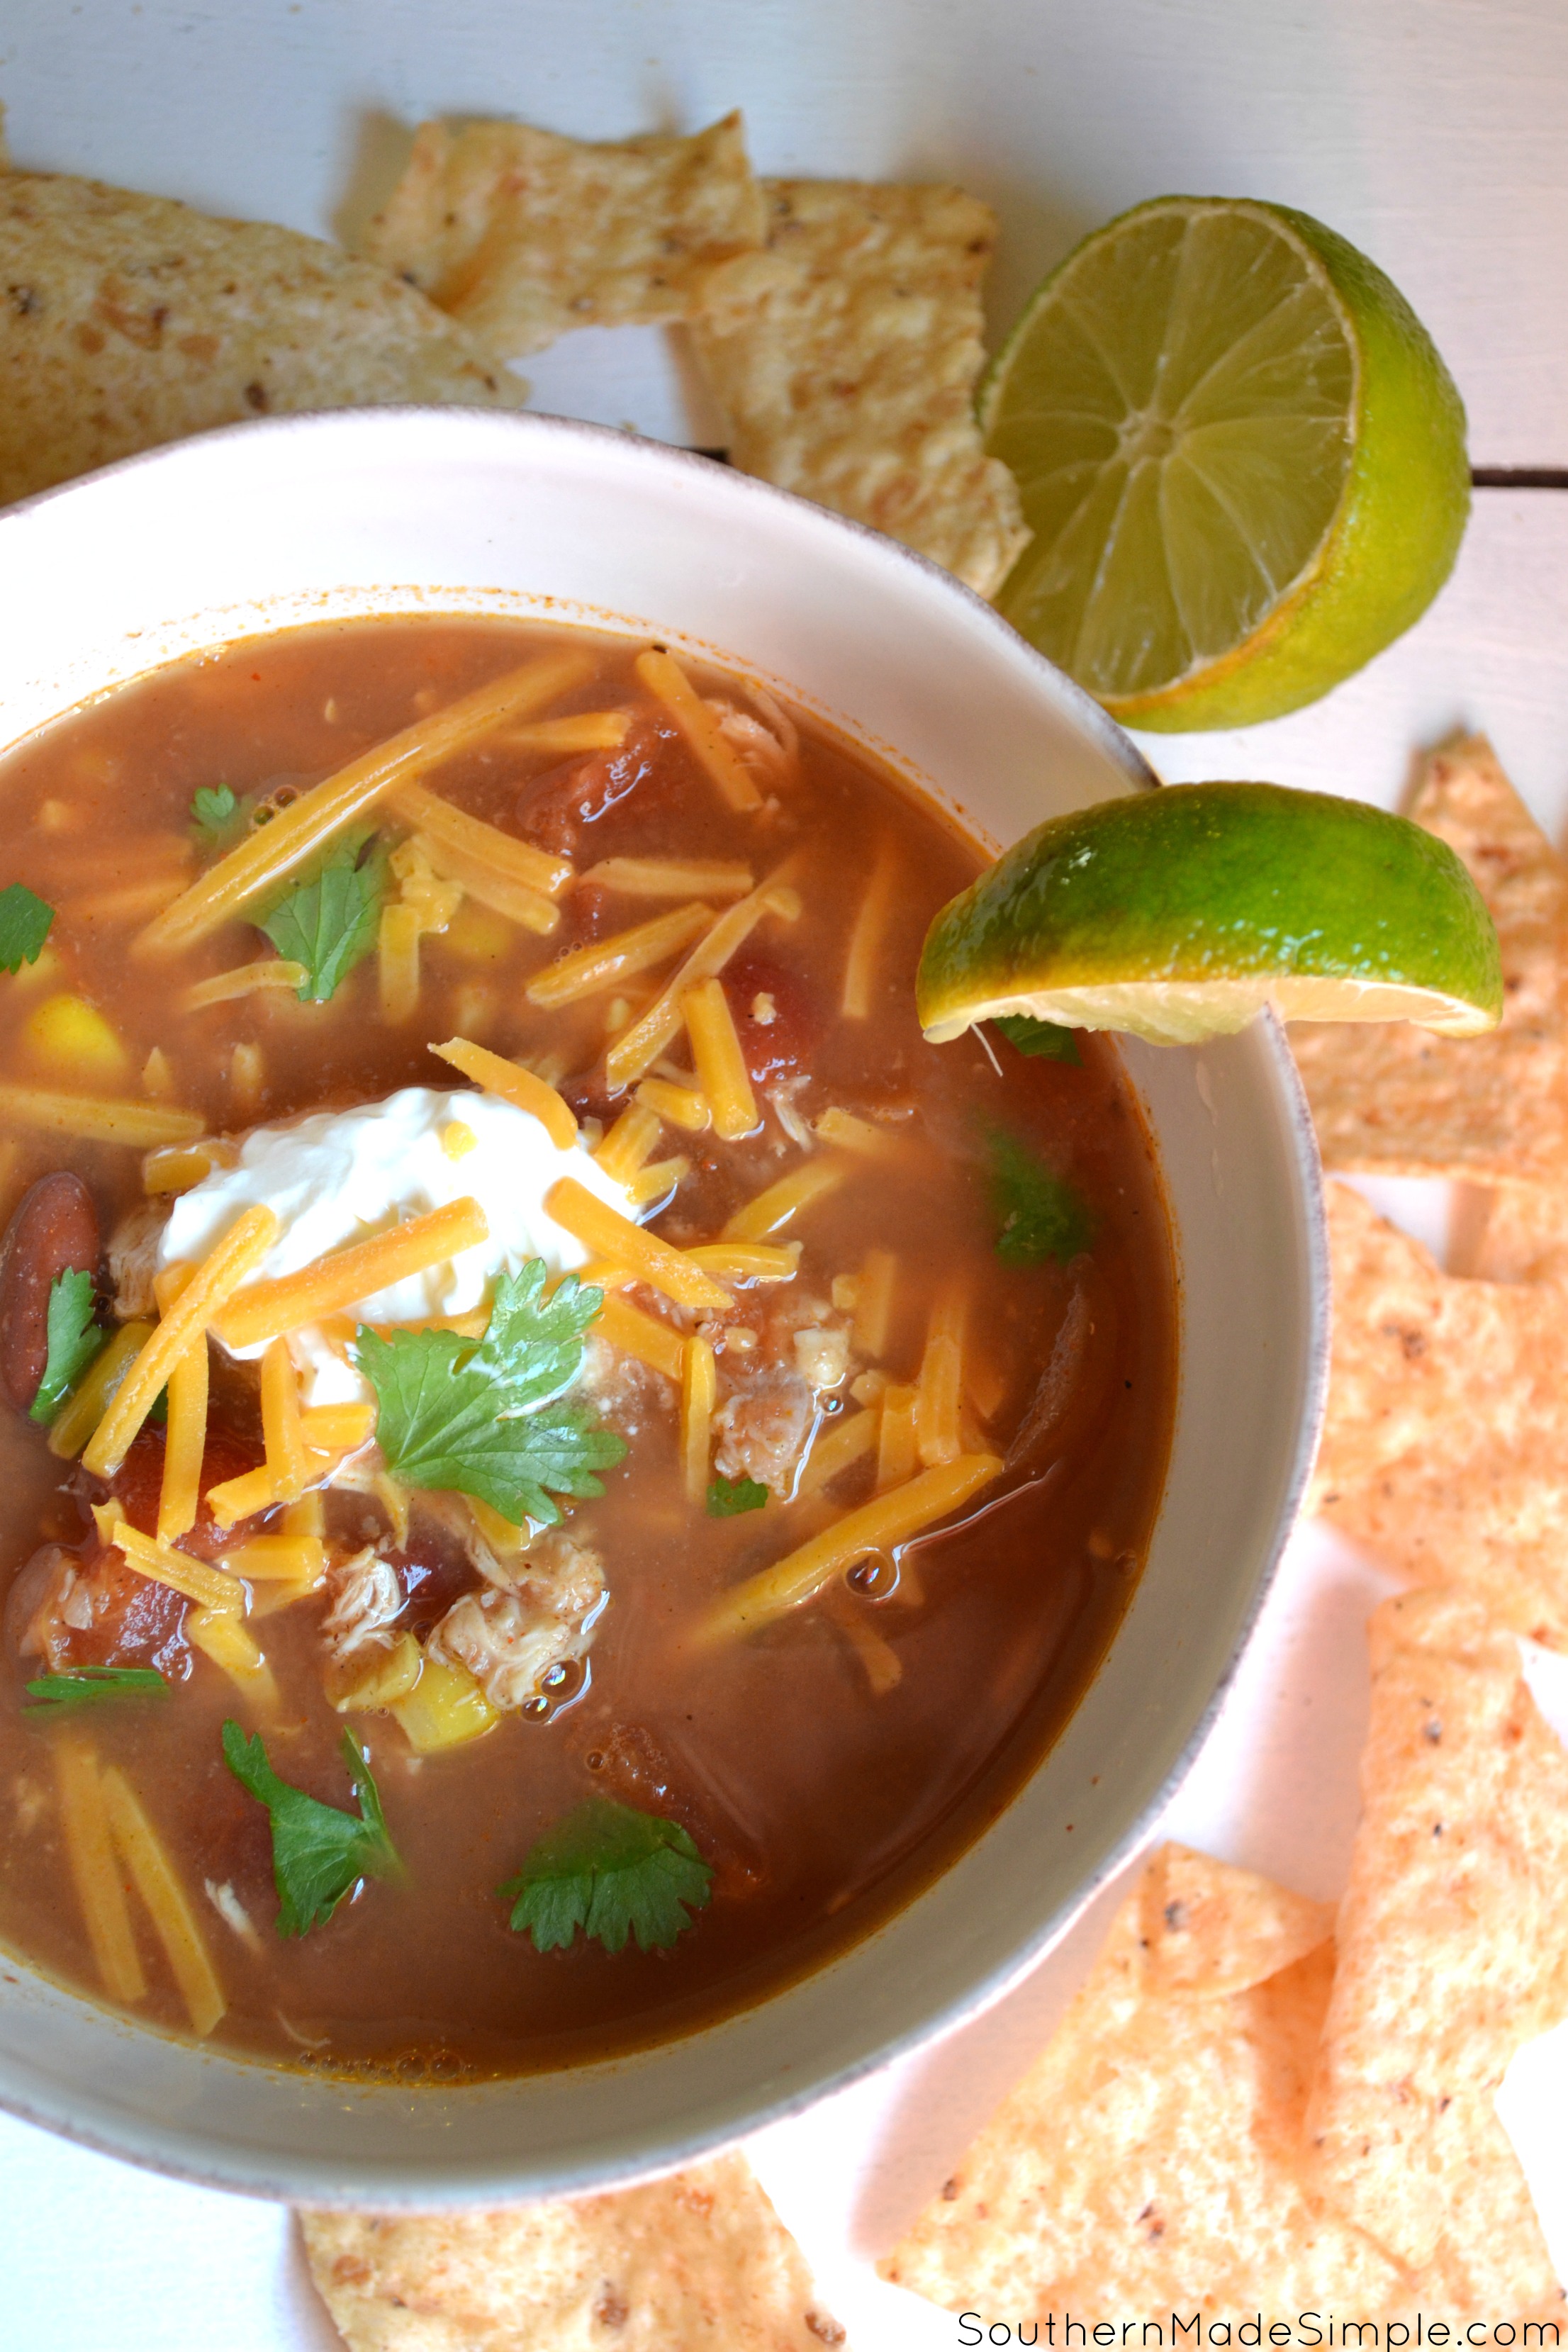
(1179, 914)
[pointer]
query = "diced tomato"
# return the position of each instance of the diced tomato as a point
(139, 1481)
(135, 1622)
(779, 1018)
(587, 914)
(553, 808)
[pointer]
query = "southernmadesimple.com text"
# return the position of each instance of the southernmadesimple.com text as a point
(1320, 2331)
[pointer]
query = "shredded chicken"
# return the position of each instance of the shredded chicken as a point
(507, 1644)
(621, 1390)
(798, 1346)
(232, 1912)
(550, 1568)
(34, 1626)
(533, 1614)
(561, 1575)
(762, 1428)
(134, 1258)
(788, 1114)
(75, 1603)
(769, 746)
(366, 1596)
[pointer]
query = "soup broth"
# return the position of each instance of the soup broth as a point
(926, 1339)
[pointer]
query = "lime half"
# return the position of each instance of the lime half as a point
(1178, 914)
(1241, 455)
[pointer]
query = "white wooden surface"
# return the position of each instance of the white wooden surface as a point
(1431, 132)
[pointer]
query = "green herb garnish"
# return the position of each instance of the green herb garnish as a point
(454, 1412)
(613, 1872)
(214, 810)
(1039, 1214)
(330, 923)
(86, 1685)
(74, 1340)
(728, 1497)
(25, 921)
(1039, 1037)
(318, 1855)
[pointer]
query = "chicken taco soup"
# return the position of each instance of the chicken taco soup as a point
(560, 1460)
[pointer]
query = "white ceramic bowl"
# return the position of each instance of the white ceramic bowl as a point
(416, 510)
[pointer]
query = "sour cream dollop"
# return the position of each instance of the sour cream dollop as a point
(339, 1177)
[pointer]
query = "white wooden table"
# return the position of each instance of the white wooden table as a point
(1430, 131)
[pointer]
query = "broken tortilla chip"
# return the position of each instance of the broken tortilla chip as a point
(1522, 1236)
(846, 356)
(699, 2260)
(523, 234)
(1152, 2160)
(1453, 1950)
(1392, 1099)
(132, 321)
(1445, 1446)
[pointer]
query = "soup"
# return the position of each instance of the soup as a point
(562, 1461)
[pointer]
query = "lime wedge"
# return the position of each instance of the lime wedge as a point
(1178, 914)
(1241, 455)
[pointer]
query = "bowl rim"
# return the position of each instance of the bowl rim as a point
(1109, 736)
(267, 2176)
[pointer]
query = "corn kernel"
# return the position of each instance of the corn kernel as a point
(478, 935)
(444, 1707)
(247, 1072)
(70, 1036)
(458, 1138)
(389, 1677)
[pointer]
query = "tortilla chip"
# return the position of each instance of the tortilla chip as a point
(1208, 1927)
(700, 2261)
(523, 234)
(1453, 1950)
(846, 358)
(1523, 1236)
(131, 320)
(1153, 2158)
(1392, 1099)
(1445, 1448)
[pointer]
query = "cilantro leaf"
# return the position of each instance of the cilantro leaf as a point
(1039, 1037)
(613, 1872)
(728, 1497)
(329, 924)
(319, 1853)
(1039, 1214)
(85, 1686)
(214, 809)
(25, 923)
(74, 1340)
(453, 1415)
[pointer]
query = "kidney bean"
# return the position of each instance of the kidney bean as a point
(55, 1230)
